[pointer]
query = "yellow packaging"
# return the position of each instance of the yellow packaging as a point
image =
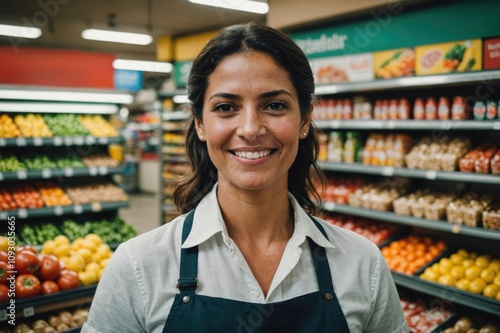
(460, 56)
(394, 63)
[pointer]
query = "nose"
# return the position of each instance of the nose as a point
(251, 124)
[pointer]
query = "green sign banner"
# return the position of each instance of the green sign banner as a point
(181, 73)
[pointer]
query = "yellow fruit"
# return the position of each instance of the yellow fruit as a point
(463, 284)
(94, 238)
(495, 265)
(472, 272)
(472, 255)
(48, 247)
(483, 261)
(61, 239)
(477, 286)
(4, 244)
(64, 260)
(487, 275)
(96, 258)
(104, 263)
(464, 253)
(76, 263)
(62, 250)
(104, 251)
(90, 245)
(467, 263)
(445, 266)
(77, 243)
(87, 278)
(99, 274)
(496, 280)
(458, 272)
(92, 267)
(456, 259)
(430, 275)
(498, 296)
(491, 290)
(447, 280)
(86, 254)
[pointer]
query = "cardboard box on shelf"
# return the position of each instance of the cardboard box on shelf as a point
(459, 56)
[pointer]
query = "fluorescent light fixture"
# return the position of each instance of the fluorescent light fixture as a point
(66, 96)
(58, 108)
(181, 99)
(20, 31)
(243, 5)
(145, 66)
(117, 36)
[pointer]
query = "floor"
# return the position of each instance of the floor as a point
(143, 213)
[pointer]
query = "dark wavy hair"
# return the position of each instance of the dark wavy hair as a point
(239, 39)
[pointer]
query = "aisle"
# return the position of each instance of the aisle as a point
(143, 212)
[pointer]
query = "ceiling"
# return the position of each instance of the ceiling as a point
(62, 22)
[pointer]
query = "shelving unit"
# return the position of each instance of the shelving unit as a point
(473, 235)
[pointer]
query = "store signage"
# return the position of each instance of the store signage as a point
(491, 53)
(355, 67)
(181, 73)
(128, 80)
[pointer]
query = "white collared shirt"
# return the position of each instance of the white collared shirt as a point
(137, 289)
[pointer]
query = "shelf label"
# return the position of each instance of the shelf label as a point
(1, 176)
(58, 141)
(93, 171)
(22, 174)
(391, 124)
(79, 140)
(23, 213)
(455, 229)
(430, 174)
(96, 207)
(3, 216)
(29, 312)
(3, 315)
(496, 125)
(330, 206)
(103, 140)
(21, 141)
(103, 170)
(38, 141)
(3, 142)
(58, 210)
(387, 171)
(77, 209)
(68, 172)
(90, 140)
(68, 141)
(46, 173)
(335, 124)
(445, 125)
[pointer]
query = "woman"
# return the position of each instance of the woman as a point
(246, 256)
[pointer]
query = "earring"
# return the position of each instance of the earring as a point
(304, 134)
(201, 137)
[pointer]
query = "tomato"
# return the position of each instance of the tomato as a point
(49, 267)
(68, 280)
(4, 293)
(4, 256)
(27, 248)
(26, 262)
(28, 285)
(49, 287)
(4, 267)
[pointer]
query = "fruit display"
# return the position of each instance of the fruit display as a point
(33, 126)
(39, 233)
(65, 125)
(38, 162)
(99, 160)
(85, 191)
(26, 196)
(10, 163)
(423, 318)
(409, 254)
(97, 126)
(376, 231)
(468, 209)
(424, 204)
(61, 321)
(52, 194)
(68, 161)
(467, 271)
(491, 217)
(479, 159)
(7, 127)
(338, 190)
(470, 324)
(378, 196)
(6, 200)
(111, 231)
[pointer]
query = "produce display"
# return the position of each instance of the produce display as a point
(469, 324)
(38, 162)
(26, 196)
(467, 271)
(111, 231)
(378, 196)
(67, 161)
(39, 233)
(10, 163)
(421, 317)
(468, 209)
(338, 190)
(6, 200)
(58, 322)
(52, 194)
(424, 204)
(97, 125)
(65, 125)
(33, 126)
(480, 160)
(85, 192)
(99, 160)
(7, 127)
(409, 254)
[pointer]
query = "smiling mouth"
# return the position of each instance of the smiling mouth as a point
(253, 155)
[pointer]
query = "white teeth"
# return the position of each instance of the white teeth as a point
(252, 155)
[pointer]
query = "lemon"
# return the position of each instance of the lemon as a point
(104, 251)
(89, 244)
(491, 290)
(94, 238)
(77, 243)
(96, 258)
(4, 244)
(488, 275)
(61, 239)
(445, 266)
(467, 263)
(498, 296)
(76, 263)
(458, 272)
(463, 253)
(48, 247)
(495, 265)
(483, 261)
(477, 286)
(86, 254)
(472, 272)
(496, 280)
(463, 284)
(456, 259)
(447, 280)
(104, 263)
(87, 278)
(62, 250)
(92, 267)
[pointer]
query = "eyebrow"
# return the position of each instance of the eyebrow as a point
(268, 94)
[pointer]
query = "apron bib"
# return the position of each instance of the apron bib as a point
(315, 312)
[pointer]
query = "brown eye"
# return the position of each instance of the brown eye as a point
(277, 106)
(224, 108)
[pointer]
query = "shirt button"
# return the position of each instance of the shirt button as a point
(328, 296)
(186, 299)
(254, 293)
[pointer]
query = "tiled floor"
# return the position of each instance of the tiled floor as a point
(143, 212)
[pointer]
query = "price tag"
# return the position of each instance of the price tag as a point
(3, 216)
(496, 125)
(90, 140)
(103, 140)
(335, 123)
(29, 311)
(23, 213)
(21, 141)
(93, 171)
(1, 176)
(38, 141)
(77, 209)
(430, 174)
(79, 140)
(391, 124)
(387, 171)
(68, 141)
(3, 315)
(22, 174)
(330, 206)
(58, 141)
(455, 229)
(46, 173)
(103, 170)
(58, 210)
(445, 125)
(68, 172)
(3, 142)
(96, 207)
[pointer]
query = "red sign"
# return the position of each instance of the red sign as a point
(491, 53)
(55, 67)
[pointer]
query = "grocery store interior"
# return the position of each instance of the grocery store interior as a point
(93, 108)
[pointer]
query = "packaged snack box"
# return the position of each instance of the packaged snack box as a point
(394, 63)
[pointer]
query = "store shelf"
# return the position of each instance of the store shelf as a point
(443, 226)
(455, 295)
(59, 141)
(444, 125)
(142, 127)
(66, 172)
(32, 306)
(411, 173)
(176, 115)
(407, 82)
(95, 207)
(170, 94)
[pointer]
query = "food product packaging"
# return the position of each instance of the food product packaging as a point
(495, 163)
(491, 217)
(394, 63)
(482, 162)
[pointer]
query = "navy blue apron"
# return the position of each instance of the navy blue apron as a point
(315, 312)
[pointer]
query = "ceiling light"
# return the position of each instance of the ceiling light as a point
(66, 96)
(181, 99)
(58, 108)
(145, 66)
(117, 36)
(243, 5)
(19, 31)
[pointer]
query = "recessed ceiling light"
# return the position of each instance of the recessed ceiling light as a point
(117, 36)
(145, 66)
(243, 5)
(20, 31)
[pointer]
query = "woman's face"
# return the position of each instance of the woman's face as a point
(251, 121)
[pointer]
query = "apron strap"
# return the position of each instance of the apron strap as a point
(188, 277)
(318, 253)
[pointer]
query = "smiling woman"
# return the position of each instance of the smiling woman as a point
(246, 256)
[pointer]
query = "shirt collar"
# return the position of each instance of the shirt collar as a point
(208, 221)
